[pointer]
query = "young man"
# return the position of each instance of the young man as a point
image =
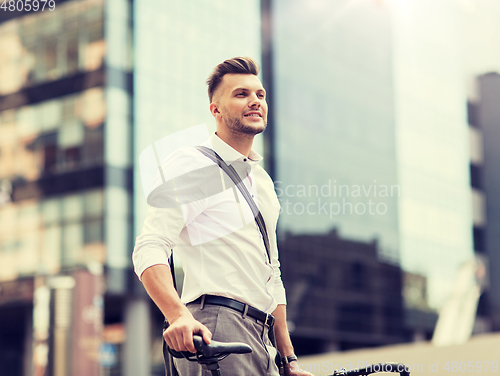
(232, 280)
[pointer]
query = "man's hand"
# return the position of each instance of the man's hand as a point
(292, 369)
(179, 334)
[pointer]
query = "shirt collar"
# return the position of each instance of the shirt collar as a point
(231, 155)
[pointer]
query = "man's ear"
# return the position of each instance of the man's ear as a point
(214, 109)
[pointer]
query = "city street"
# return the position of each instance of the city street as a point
(479, 356)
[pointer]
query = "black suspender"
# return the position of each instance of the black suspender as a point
(231, 172)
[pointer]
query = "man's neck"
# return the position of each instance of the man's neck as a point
(242, 143)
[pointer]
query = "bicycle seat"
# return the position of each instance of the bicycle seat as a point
(216, 349)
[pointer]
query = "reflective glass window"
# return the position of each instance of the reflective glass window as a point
(51, 211)
(94, 231)
(94, 203)
(72, 207)
(45, 46)
(72, 243)
(50, 114)
(51, 249)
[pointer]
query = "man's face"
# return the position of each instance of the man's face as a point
(241, 102)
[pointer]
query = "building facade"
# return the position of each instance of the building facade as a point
(485, 185)
(490, 125)
(65, 168)
(382, 147)
(371, 135)
(340, 295)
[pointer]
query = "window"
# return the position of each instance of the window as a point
(73, 208)
(51, 248)
(95, 48)
(479, 239)
(356, 278)
(476, 143)
(72, 243)
(69, 107)
(356, 317)
(50, 212)
(93, 106)
(50, 59)
(94, 231)
(478, 208)
(50, 158)
(72, 55)
(50, 113)
(94, 203)
(71, 158)
(473, 114)
(475, 176)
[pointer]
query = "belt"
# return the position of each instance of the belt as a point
(266, 318)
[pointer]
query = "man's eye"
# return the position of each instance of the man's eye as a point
(261, 95)
(240, 94)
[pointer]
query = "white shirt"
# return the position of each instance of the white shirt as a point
(196, 210)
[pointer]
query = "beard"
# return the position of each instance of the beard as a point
(235, 125)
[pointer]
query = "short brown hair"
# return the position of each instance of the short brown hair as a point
(239, 65)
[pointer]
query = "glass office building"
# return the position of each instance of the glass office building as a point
(432, 143)
(487, 187)
(335, 122)
(375, 113)
(65, 173)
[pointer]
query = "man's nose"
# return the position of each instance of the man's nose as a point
(254, 101)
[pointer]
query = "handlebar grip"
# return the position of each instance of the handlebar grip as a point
(215, 349)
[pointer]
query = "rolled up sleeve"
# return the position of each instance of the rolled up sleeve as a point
(159, 235)
(166, 219)
(279, 289)
(279, 293)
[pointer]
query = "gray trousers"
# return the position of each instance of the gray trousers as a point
(228, 325)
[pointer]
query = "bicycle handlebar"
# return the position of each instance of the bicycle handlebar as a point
(374, 368)
(216, 349)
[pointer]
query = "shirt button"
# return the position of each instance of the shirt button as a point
(244, 159)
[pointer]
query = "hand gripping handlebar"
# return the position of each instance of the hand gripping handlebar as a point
(217, 350)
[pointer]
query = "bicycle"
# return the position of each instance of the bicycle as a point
(210, 355)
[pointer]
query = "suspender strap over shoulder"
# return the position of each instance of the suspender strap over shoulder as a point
(231, 172)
